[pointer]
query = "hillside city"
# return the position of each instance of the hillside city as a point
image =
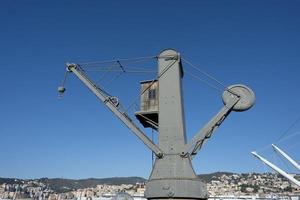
(221, 185)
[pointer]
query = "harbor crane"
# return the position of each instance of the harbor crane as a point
(172, 176)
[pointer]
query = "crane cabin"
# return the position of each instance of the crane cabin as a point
(148, 113)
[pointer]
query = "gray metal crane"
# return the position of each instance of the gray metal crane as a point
(173, 176)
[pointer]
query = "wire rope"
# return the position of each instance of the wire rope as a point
(205, 73)
(152, 82)
(65, 78)
(202, 80)
(152, 153)
(115, 60)
(288, 129)
(293, 145)
(103, 76)
(223, 86)
(118, 70)
(115, 78)
(289, 136)
(283, 162)
(263, 148)
(150, 120)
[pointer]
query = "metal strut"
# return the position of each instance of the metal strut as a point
(205, 133)
(235, 98)
(108, 101)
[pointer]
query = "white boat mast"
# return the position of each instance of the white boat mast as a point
(292, 161)
(277, 169)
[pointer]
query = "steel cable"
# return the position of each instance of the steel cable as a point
(115, 60)
(205, 73)
(288, 129)
(223, 86)
(152, 82)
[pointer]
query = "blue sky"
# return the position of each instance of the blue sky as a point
(256, 43)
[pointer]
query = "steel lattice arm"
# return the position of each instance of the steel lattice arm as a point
(110, 104)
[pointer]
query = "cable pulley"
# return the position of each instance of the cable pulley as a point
(115, 101)
(246, 95)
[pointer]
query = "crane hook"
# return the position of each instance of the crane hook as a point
(61, 89)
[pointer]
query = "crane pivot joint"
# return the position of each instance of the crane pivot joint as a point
(70, 65)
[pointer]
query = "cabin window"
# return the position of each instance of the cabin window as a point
(152, 94)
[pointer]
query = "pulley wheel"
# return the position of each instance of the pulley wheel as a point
(247, 97)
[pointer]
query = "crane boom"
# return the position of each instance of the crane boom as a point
(196, 143)
(292, 161)
(109, 103)
(277, 169)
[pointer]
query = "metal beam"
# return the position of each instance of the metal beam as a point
(122, 116)
(292, 161)
(277, 169)
(196, 143)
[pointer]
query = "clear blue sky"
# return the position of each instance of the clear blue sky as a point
(252, 42)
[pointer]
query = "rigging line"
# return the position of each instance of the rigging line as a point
(118, 70)
(156, 124)
(288, 129)
(292, 146)
(224, 87)
(266, 169)
(114, 78)
(128, 66)
(263, 148)
(98, 87)
(140, 68)
(99, 65)
(103, 91)
(274, 158)
(286, 138)
(124, 59)
(282, 140)
(103, 76)
(60, 95)
(117, 76)
(112, 64)
(117, 66)
(166, 69)
(135, 100)
(152, 153)
(284, 162)
(205, 73)
(204, 81)
(152, 82)
(65, 78)
(134, 62)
